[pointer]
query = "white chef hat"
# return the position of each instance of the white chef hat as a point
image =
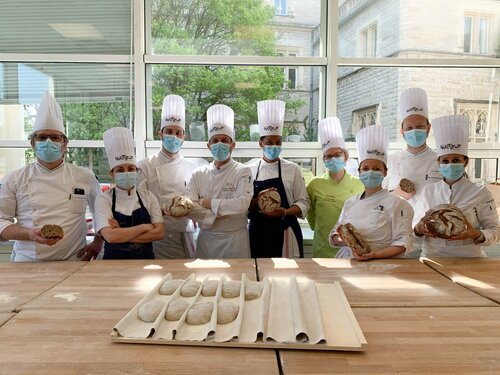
(451, 134)
(271, 114)
(220, 120)
(119, 145)
(173, 111)
(330, 133)
(372, 143)
(49, 115)
(413, 101)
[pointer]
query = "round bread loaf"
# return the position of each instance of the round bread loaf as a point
(269, 200)
(52, 231)
(354, 239)
(407, 186)
(445, 221)
(180, 206)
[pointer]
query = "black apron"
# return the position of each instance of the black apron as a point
(129, 250)
(267, 233)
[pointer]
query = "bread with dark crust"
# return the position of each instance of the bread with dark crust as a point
(354, 239)
(269, 200)
(407, 186)
(445, 221)
(52, 231)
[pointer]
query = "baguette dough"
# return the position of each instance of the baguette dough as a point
(150, 311)
(231, 289)
(176, 309)
(190, 288)
(199, 313)
(253, 290)
(170, 286)
(209, 288)
(227, 312)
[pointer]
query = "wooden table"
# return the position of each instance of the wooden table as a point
(380, 283)
(481, 275)
(23, 282)
(58, 334)
(416, 340)
(415, 320)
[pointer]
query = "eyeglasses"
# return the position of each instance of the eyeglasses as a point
(337, 155)
(53, 137)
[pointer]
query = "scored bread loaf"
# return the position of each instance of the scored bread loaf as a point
(354, 239)
(180, 206)
(445, 221)
(52, 231)
(407, 186)
(269, 200)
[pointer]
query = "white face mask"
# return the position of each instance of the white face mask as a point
(126, 180)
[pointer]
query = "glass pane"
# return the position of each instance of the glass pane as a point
(483, 35)
(414, 29)
(467, 34)
(472, 92)
(60, 26)
(93, 97)
(240, 88)
(228, 27)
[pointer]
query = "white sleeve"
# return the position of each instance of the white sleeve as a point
(300, 196)
(488, 218)
(401, 225)
(154, 209)
(199, 214)
(8, 198)
(242, 196)
(103, 213)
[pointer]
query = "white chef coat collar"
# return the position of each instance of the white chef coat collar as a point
(166, 157)
(273, 162)
(46, 170)
(123, 194)
(381, 192)
(224, 166)
(461, 181)
(418, 153)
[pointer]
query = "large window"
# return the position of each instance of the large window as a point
(477, 33)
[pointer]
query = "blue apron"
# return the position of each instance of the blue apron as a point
(129, 250)
(267, 233)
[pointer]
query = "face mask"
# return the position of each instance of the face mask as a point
(371, 179)
(272, 152)
(48, 151)
(126, 180)
(335, 164)
(453, 171)
(220, 151)
(171, 143)
(416, 137)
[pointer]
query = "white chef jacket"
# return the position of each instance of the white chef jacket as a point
(478, 206)
(383, 219)
(125, 204)
(223, 232)
(35, 196)
(166, 177)
(422, 169)
(291, 175)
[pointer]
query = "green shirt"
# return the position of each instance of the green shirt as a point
(327, 199)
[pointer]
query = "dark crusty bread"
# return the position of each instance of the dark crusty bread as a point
(269, 200)
(406, 185)
(354, 239)
(180, 206)
(445, 221)
(52, 231)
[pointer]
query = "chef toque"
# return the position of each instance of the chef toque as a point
(413, 101)
(49, 115)
(271, 114)
(173, 112)
(330, 134)
(220, 120)
(372, 143)
(119, 145)
(451, 134)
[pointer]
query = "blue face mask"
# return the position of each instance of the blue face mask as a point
(272, 152)
(126, 180)
(171, 143)
(220, 151)
(371, 179)
(335, 164)
(416, 137)
(453, 171)
(48, 151)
